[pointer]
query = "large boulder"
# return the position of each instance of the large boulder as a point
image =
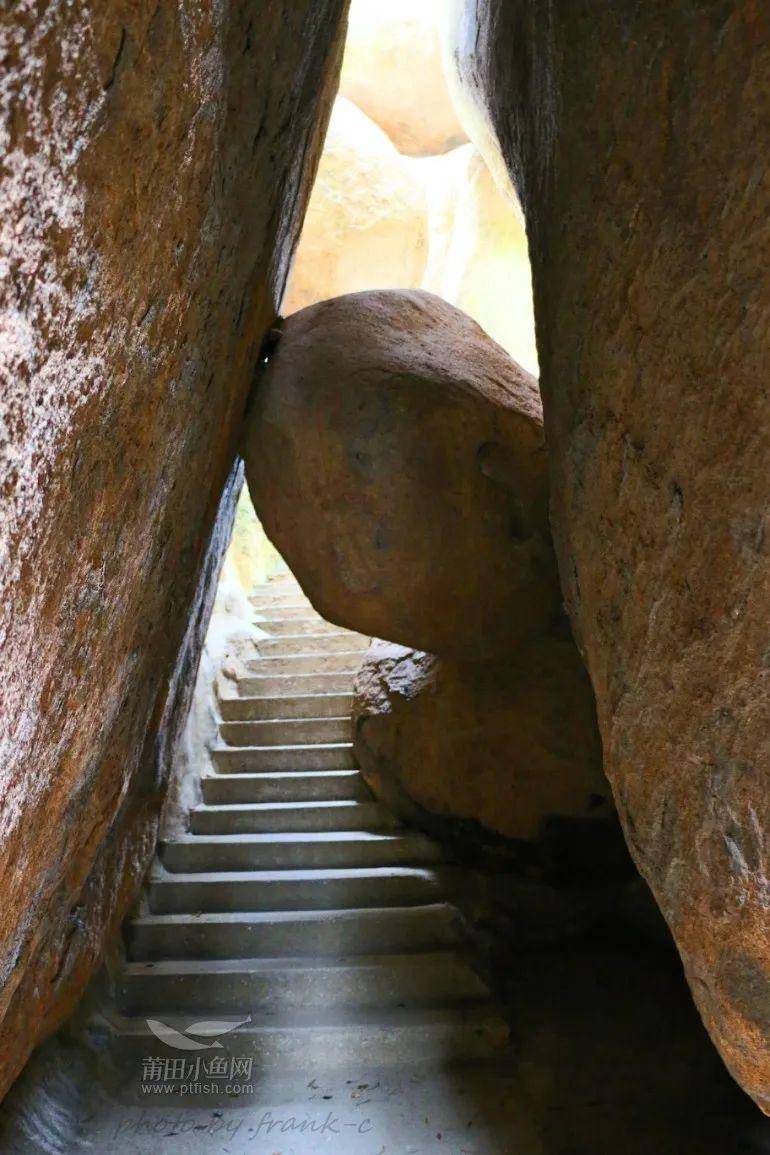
(156, 163)
(393, 71)
(367, 222)
(634, 136)
(395, 457)
(502, 762)
(510, 745)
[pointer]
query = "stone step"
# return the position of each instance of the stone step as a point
(287, 817)
(367, 1038)
(278, 890)
(282, 611)
(287, 731)
(281, 580)
(317, 786)
(278, 587)
(282, 934)
(239, 986)
(312, 624)
(290, 706)
(306, 663)
(191, 854)
(284, 685)
(275, 599)
(252, 759)
(291, 645)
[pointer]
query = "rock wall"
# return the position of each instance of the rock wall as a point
(636, 134)
(156, 165)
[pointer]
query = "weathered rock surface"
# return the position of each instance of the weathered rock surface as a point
(501, 761)
(393, 71)
(511, 745)
(367, 221)
(458, 31)
(395, 457)
(634, 137)
(155, 173)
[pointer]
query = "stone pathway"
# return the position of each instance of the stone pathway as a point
(296, 903)
(338, 938)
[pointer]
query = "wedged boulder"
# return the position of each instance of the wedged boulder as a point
(501, 760)
(393, 71)
(395, 457)
(366, 226)
(157, 159)
(634, 139)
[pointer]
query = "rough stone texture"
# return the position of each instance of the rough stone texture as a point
(501, 761)
(155, 170)
(637, 136)
(393, 71)
(508, 744)
(395, 457)
(367, 221)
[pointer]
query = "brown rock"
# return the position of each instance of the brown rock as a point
(635, 136)
(155, 173)
(502, 762)
(395, 458)
(511, 745)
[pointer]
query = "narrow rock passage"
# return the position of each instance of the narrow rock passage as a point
(296, 902)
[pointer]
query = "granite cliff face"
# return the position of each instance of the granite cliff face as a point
(634, 134)
(154, 179)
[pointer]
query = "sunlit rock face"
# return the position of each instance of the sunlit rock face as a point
(648, 219)
(155, 172)
(367, 222)
(395, 457)
(438, 218)
(393, 71)
(458, 24)
(251, 557)
(478, 257)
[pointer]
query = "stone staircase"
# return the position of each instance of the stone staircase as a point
(295, 898)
